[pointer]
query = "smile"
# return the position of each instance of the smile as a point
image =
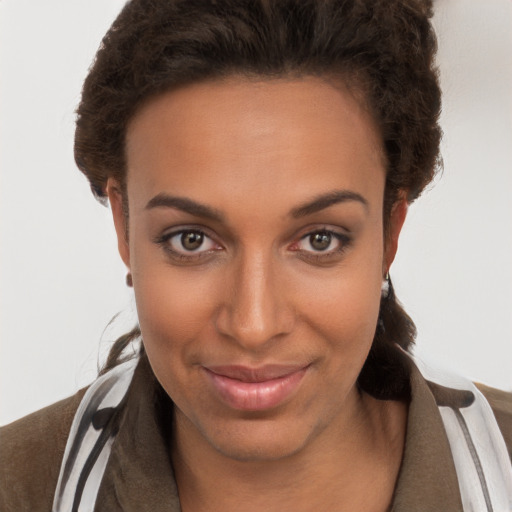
(255, 389)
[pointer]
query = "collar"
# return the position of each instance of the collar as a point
(427, 480)
(139, 475)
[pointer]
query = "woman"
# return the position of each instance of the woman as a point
(259, 160)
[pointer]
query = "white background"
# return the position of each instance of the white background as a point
(61, 280)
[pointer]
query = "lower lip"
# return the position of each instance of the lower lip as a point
(255, 396)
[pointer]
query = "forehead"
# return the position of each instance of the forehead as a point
(242, 138)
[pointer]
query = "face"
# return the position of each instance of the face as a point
(255, 242)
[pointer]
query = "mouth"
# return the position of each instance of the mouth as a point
(255, 389)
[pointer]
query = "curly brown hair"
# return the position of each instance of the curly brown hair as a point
(384, 49)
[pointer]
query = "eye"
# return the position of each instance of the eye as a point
(321, 246)
(188, 243)
(321, 241)
(190, 240)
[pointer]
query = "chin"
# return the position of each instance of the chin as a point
(256, 437)
(258, 441)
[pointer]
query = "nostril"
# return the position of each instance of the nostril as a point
(254, 328)
(255, 307)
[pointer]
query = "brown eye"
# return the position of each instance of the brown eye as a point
(320, 241)
(192, 240)
(188, 243)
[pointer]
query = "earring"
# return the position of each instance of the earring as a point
(129, 280)
(386, 286)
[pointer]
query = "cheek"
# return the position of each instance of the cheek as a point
(346, 325)
(347, 313)
(171, 307)
(344, 306)
(175, 307)
(174, 313)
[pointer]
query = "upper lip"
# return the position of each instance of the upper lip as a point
(259, 374)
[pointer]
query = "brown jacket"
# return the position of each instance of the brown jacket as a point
(139, 475)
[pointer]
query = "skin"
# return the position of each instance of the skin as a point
(257, 291)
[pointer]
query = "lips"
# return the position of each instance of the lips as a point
(255, 389)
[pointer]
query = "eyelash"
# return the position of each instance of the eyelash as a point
(186, 256)
(344, 242)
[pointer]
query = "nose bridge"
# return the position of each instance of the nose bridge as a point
(256, 310)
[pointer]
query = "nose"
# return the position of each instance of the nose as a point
(255, 311)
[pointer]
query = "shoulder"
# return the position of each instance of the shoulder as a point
(31, 450)
(501, 404)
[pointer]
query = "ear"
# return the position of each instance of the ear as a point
(115, 197)
(396, 221)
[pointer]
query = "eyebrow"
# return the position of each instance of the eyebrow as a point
(185, 205)
(192, 207)
(325, 200)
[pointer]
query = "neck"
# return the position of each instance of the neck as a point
(349, 468)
